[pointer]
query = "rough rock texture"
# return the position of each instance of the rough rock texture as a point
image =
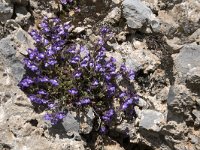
(158, 38)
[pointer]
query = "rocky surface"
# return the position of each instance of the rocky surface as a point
(159, 39)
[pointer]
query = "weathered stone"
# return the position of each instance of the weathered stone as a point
(21, 41)
(193, 76)
(86, 124)
(187, 59)
(114, 16)
(142, 60)
(136, 13)
(180, 100)
(20, 2)
(196, 113)
(6, 11)
(151, 120)
(70, 123)
(22, 15)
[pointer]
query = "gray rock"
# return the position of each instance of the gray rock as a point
(70, 123)
(151, 120)
(128, 129)
(22, 15)
(193, 76)
(6, 11)
(187, 59)
(196, 113)
(114, 16)
(142, 59)
(86, 122)
(19, 40)
(136, 13)
(20, 2)
(180, 103)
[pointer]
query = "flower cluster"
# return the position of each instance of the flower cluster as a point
(62, 75)
(66, 1)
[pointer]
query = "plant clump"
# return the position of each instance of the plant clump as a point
(63, 75)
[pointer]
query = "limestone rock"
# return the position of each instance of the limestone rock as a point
(137, 14)
(6, 11)
(19, 40)
(187, 59)
(151, 120)
(114, 16)
(142, 59)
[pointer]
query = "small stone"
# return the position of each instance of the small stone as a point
(6, 11)
(70, 123)
(151, 120)
(187, 59)
(142, 60)
(79, 29)
(114, 16)
(136, 13)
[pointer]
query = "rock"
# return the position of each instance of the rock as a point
(163, 94)
(20, 2)
(187, 59)
(196, 113)
(21, 41)
(142, 60)
(136, 13)
(175, 44)
(142, 103)
(114, 16)
(70, 123)
(22, 15)
(86, 122)
(79, 29)
(129, 130)
(151, 120)
(6, 11)
(117, 1)
(193, 76)
(180, 103)
(174, 134)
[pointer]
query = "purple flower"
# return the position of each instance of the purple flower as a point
(122, 95)
(84, 101)
(44, 79)
(41, 55)
(131, 75)
(125, 106)
(54, 82)
(51, 105)
(84, 64)
(60, 115)
(37, 100)
(103, 130)
(129, 101)
(110, 113)
(73, 91)
(32, 67)
(95, 83)
(66, 1)
(48, 117)
(75, 59)
(52, 61)
(42, 92)
(77, 74)
(26, 82)
(104, 30)
(72, 50)
(106, 118)
(100, 42)
(123, 68)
